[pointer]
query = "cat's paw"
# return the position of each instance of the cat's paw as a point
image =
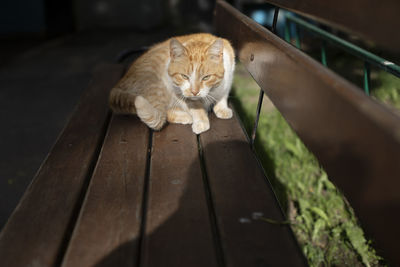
(179, 116)
(199, 127)
(223, 113)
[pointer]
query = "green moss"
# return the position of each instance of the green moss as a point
(323, 222)
(387, 89)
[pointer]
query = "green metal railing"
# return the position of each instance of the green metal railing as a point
(368, 57)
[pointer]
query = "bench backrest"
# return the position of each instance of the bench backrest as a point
(356, 139)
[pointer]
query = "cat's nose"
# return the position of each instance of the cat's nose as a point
(195, 91)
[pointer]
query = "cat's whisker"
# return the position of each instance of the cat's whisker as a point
(212, 98)
(206, 101)
(176, 103)
(173, 105)
(209, 100)
(182, 99)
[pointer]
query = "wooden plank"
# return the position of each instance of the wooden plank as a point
(375, 21)
(241, 193)
(178, 230)
(38, 228)
(108, 229)
(356, 139)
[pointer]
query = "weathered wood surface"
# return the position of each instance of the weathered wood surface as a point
(178, 230)
(355, 139)
(141, 208)
(242, 194)
(36, 232)
(377, 21)
(108, 228)
(179, 226)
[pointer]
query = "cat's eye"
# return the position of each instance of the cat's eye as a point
(185, 76)
(205, 78)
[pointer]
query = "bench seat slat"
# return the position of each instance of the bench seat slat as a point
(35, 232)
(178, 228)
(240, 193)
(108, 228)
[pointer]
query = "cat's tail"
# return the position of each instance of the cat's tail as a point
(123, 102)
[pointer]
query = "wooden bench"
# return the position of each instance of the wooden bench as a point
(113, 193)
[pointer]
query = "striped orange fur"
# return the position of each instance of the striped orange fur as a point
(177, 81)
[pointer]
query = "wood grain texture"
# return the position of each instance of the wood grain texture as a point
(107, 231)
(376, 21)
(35, 232)
(356, 139)
(241, 193)
(178, 231)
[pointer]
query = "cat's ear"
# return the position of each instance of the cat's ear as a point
(176, 48)
(215, 51)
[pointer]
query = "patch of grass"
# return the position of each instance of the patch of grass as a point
(323, 222)
(386, 88)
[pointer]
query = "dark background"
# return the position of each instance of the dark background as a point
(48, 49)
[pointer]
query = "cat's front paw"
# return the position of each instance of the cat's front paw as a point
(199, 127)
(179, 116)
(223, 113)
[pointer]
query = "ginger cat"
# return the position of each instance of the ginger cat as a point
(178, 81)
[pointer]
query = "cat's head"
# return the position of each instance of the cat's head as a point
(196, 68)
